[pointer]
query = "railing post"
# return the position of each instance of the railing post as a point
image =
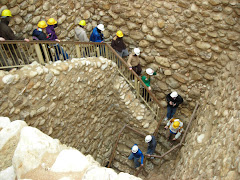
(138, 89)
(78, 51)
(98, 52)
(135, 82)
(45, 52)
(107, 55)
(39, 53)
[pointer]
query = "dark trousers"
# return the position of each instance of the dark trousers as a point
(171, 111)
(137, 69)
(146, 95)
(59, 50)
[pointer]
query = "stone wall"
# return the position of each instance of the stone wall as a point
(212, 147)
(27, 153)
(191, 39)
(83, 103)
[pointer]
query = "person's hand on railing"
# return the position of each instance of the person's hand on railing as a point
(130, 68)
(149, 88)
(27, 40)
(2, 39)
(166, 127)
(57, 40)
(174, 139)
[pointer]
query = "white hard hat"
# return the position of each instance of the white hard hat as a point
(100, 27)
(148, 138)
(174, 94)
(136, 51)
(149, 71)
(134, 148)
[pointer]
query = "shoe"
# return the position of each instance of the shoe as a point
(133, 80)
(165, 119)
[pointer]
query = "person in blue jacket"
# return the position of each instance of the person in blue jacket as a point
(152, 143)
(97, 35)
(135, 155)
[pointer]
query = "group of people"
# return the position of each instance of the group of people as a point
(46, 31)
(174, 127)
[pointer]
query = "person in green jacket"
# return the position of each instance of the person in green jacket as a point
(147, 79)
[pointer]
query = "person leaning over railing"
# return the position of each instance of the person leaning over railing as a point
(50, 29)
(7, 34)
(38, 34)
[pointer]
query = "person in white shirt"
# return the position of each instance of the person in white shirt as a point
(175, 127)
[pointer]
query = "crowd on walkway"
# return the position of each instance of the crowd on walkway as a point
(46, 31)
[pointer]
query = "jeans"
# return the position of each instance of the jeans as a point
(59, 50)
(151, 150)
(171, 111)
(123, 53)
(136, 162)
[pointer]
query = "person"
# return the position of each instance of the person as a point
(7, 34)
(50, 29)
(97, 35)
(134, 61)
(147, 80)
(38, 34)
(135, 155)
(152, 143)
(173, 101)
(118, 45)
(80, 33)
(175, 127)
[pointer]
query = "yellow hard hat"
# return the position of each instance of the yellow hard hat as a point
(82, 23)
(176, 124)
(51, 21)
(6, 12)
(119, 33)
(42, 24)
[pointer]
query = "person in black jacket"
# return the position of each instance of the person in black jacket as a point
(118, 45)
(152, 143)
(173, 101)
(38, 34)
(7, 34)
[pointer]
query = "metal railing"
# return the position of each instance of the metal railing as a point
(15, 54)
(144, 134)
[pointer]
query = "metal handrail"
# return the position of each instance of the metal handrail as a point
(46, 51)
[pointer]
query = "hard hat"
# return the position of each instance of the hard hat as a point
(6, 12)
(134, 148)
(51, 21)
(42, 24)
(100, 27)
(82, 23)
(176, 124)
(119, 34)
(174, 94)
(148, 138)
(149, 71)
(136, 51)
